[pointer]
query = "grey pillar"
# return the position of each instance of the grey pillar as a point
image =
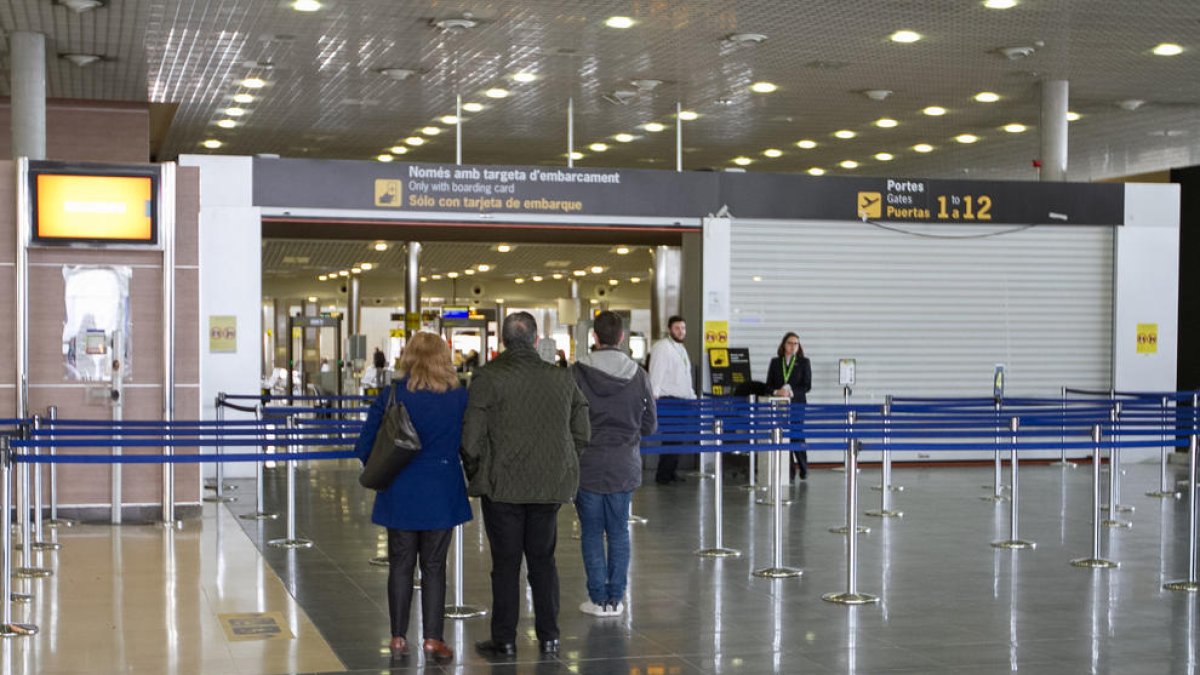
(282, 336)
(412, 286)
(1054, 130)
(27, 54)
(354, 308)
(668, 275)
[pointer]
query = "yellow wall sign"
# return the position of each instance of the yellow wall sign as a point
(222, 334)
(116, 208)
(870, 205)
(716, 334)
(389, 192)
(1147, 338)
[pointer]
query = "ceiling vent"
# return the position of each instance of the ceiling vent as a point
(646, 86)
(81, 6)
(1015, 53)
(1130, 104)
(746, 39)
(455, 25)
(398, 74)
(82, 60)
(877, 94)
(620, 96)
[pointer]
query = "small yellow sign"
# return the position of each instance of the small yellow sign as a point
(1147, 338)
(718, 358)
(389, 192)
(870, 205)
(716, 334)
(222, 334)
(396, 333)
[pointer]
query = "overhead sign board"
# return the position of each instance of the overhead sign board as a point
(92, 203)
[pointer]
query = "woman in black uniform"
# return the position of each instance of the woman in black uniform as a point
(790, 375)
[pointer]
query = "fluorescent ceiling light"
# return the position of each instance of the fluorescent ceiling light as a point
(380, 246)
(469, 272)
(905, 36)
(773, 152)
(580, 273)
(519, 280)
(212, 144)
(884, 156)
(367, 266)
(504, 248)
(577, 155)
(1015, 128)
(886, 123)
(448, 119)
(452, 275)
(483, 267)
(844, 134)
(742, 161)
(596, 269)
(923, 147)
(1000, 4)
(306, 5)
(622, 250)
(688, 115)
(537, 277)
(623, 138)
(806, 144)
(613, 282)
(1073, 116)
(848, 164)
(635, 280)
(226, 124)
(254, 83)
(524, 78)
(619, 22)
(987, 97)
(816, 171)
(415, 141)
(235, 112)
(598, 147)
(398, 150)
(653, 127)
(763, 87)
(934, 111)
(496, 92)
(966, 138)
(431, 131)
(472, 107)
(1168, 49)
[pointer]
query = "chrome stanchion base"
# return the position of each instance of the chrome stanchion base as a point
(226, 486)
(171, 524)
(1159, 494)
(378, 561)
(778, 572)
(259, 515)
(850, 598)
(464, 611)
(1014, 544)
(1097, 563)
(58, 522)
(766, 501)
(753, 488)
(862, 529)
(702, 475)
(1121, 508)
(17, 629)
(32, 572)
(891, 488)
(718, 553)
(1003, 488)
(880, 513)
(1183, 585)
(290, 543)
(1109, 522)
(637, 520)
(994, 498)
(1063, 464)
(22, 598)
(220, 500)
(46, 546)
(842, 469)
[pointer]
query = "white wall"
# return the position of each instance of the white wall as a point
(230, 283)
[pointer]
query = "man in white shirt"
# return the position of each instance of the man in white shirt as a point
(671, 377)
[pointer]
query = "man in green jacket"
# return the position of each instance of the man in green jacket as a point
(525, 427)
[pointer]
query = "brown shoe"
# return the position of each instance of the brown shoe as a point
(437, 650)
(399, 646)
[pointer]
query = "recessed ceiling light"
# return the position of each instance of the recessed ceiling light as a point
(424, 279)
(742, 161)
(618, 22)
(385, 158)
(212, 144)
(623, 138)
(905, 36)
(884, 156)
(763, 87)
(483, 267)
(519, 280)
(380, 246)
(1000, 4)
(653, 127)
(226, 124)
(557, 275)
(886, 123)
(81, 6)
(323, 277)
(306, 5)
(344, 273)
(254, 83)
(431, 131)
(622, 250)
(596, 269)
(987, 97)
(613, 282)
(469, 272)
(472, 107)
(235, 112)
(355, 270)
(773, 152)
(448, 119)
(537, 277)
(923, 147)
(452, 275)
(688, 115)
(934, 111)
(524, 78)
(966, 138)
(577, 155)
(414, 141)
(312, 298)
(1073, 116)
(635, 280)
(435, 277)
(844, 134)
(1015, 128)
(1168, 49)
(496, 92)
(504, 248)
(756, 278)
(816, 171)
(806, 144)
(367, 266)
(580, 273)
(598, 147)
(848, 164)
(398, 150)
(243, 98)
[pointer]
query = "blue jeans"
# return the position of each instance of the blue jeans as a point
(602, 515)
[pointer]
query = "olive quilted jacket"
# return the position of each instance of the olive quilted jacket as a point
(525, 427)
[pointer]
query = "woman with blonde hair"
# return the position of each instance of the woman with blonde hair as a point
(428, 499)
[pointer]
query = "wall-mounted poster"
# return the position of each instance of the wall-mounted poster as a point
(222, 334)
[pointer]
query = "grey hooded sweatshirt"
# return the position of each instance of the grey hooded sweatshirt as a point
(621, 409)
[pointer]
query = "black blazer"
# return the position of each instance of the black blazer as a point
(801, 379)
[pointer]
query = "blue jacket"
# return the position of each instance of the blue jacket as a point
(430, 493)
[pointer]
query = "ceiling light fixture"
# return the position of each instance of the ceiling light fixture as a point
(355, 270)
(773, 153)
(580, 273)
(504, 248)
(886, 123)
(431, 131)
(557, 275)
(742, 161)
(235, 112)
(576, 155)
(537, 277)
(746, 39)
(598, 147)
(448, 119)
(1000, 4)
(622, 250)
(905, 36)
(398, 74)
(987, 97)
(82, 60)
(1073, 116)
(848, 164)
(613, 282)
(653, 127)
(688, 115)
(226, 124)
(966, 139)
(473, 107)
(469, 272)
(1131, 104)
(816, 171)
(763, 87)
(596, 269)
(81, 6)
(398, 150)
(323, 277)
(619, 22)
(884, 156)
(456, 24)
(344, 273)
(385, 158)
(496, 92)
(519, 280)
(424, 279)
(254, 83)
(877, 94)
(923, 148)
(243, 98)
(635, 280)
(414, 141)
(806, 144)
(312, 298)
(934, 111)
(435, 277)
(524, 78)
(1014, 128)
(306, 5)
(844, 134)
(1168, 49)
(452, 275)
(212, 144)
(380, 246)
(623, 138)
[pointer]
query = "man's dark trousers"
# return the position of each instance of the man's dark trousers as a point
(516, 530)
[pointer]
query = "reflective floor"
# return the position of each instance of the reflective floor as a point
(141, 599)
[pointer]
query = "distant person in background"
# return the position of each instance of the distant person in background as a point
(428, 499)
(325, 367)
(790, 374)
(671, 378)
(376, 375)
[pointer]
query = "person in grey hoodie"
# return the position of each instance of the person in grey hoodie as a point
(621, 409)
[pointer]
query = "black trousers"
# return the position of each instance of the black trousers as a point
(667, 461)
(529, 531)
(404, 546)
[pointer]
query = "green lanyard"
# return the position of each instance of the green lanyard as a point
(787, 369)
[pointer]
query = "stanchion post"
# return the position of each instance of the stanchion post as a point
(752, 485)
(460, 610)
(777, 570)
(775, 470)
(39, 541)
(219, 466)
(1191, 584)
(260, 512)
(1014, 542)
(28, 569)
(8, 628)
(291, 540)
(1062, 452)
(851, 519)
(1095, 560)
(1114, 474)
(997, 486)
(885, 479)
(851, 596)
(718, 549)
(55, 521)
(1164, 491)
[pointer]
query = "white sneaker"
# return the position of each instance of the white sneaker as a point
(611, 609)
(589, 607)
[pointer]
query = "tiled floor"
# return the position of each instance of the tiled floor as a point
(950, 602)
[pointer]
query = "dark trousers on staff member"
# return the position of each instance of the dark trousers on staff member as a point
(668, 462)
(403, 549)
(515, 531)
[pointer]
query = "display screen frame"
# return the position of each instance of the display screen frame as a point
(38, 169)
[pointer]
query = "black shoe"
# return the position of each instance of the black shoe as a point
(803, 474)
(548, 646)
(494, 648)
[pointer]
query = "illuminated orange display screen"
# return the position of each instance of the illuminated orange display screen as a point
(94, 208)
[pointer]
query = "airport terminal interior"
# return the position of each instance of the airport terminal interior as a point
(223, 221)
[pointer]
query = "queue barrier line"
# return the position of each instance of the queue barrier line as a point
(285, 397)
(206, 435)
(181, 459)
(169, 443)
